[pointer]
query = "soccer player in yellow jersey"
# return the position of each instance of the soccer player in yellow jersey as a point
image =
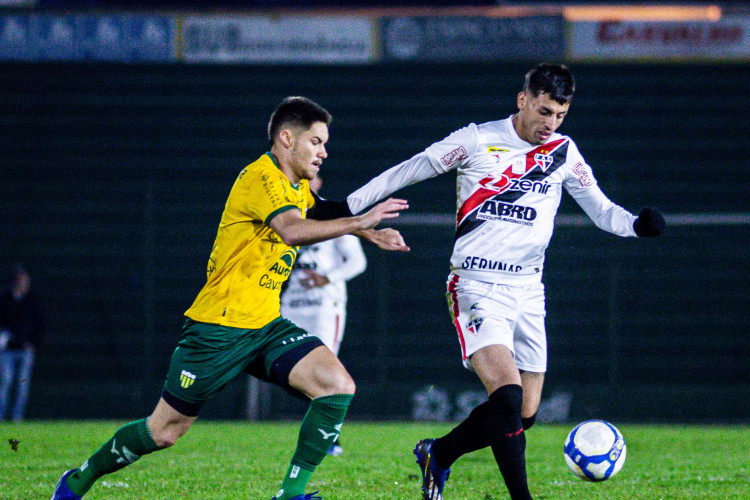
(234, 324)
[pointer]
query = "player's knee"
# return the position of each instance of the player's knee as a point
(165, 439)
(168, 435)
(505, 408)
(343, 383)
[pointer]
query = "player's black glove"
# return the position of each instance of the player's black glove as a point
(649, 223)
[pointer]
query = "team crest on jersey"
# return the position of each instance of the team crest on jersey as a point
(475, 320)
(543, 161)
(186, 379)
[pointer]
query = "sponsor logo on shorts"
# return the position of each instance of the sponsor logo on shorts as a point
(297, 338)
(476, 319)
(186, 379)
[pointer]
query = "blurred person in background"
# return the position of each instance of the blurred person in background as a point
(315, 296)
(22, 327)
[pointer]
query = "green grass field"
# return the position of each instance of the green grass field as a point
(244, 460)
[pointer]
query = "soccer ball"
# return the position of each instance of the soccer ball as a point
(595, 450)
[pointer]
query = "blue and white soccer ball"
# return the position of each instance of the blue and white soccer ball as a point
(595, 450)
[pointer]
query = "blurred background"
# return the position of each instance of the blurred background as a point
(124, 124)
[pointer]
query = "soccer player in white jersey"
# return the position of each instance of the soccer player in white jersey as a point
(510, 178)
(315, 297)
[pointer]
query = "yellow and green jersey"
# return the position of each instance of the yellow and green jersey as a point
(249, 261)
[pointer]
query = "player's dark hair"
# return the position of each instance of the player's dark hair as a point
(556, 80)
(296, 111)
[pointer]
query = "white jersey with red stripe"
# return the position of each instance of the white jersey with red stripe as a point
(508, 195)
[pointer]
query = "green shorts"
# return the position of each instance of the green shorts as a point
(208, 356)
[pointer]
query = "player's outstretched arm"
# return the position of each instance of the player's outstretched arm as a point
(295, 231)
(649, 223)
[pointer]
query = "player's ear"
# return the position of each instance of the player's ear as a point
(521, 99)
(286, 137)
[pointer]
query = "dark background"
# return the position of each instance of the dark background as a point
(114, 177)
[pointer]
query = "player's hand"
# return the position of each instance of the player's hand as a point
(649, 223)
(313, 279)
(385, 210)
(385, 239)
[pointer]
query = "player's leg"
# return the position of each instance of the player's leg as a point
(531, 350)
(329, 327)
(319, 375)
(512, 409)
(7, 369)
(128, 444)
(485, 319)
(532, 384)
(496, 368)
(23, 382)
(469, 435)
(467, 304)
(177, 409)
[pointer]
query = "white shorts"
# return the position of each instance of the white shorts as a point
(492, 314)
(325, 322)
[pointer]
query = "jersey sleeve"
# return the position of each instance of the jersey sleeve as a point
(353, 260)
(454, 150)
(268, 196)
(437, 159)
(581, 184)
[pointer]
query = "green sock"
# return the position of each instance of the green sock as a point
(320, 428)
(129, 443)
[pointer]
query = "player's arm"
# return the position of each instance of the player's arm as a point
(415, 169)
(439, 158)
(294, 230)
(615, 219)
(326, 209)
(582, 186)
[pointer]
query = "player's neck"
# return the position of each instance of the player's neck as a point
(284, 165)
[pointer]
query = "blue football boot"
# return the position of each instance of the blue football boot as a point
(62, 492)
(433, 476)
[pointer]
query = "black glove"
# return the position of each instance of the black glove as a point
(649, 223)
